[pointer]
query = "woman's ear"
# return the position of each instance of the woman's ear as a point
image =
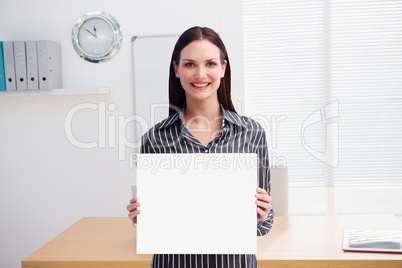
(223, 68)
(176, 69)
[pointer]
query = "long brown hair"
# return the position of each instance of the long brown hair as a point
(177, 97)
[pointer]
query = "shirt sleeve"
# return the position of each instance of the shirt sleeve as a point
(264, 226)
(146, 144)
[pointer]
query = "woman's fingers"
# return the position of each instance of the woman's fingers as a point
(133, 210)
(264, 204)
(133, 215)
(133, 206)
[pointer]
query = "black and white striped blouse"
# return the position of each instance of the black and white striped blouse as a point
(239, 134)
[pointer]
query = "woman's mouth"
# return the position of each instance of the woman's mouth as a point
(200, 85)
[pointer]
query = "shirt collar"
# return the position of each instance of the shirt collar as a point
(233, 118)
(227, 116)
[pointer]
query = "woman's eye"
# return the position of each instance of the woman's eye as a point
(211, 64)
(189, 64)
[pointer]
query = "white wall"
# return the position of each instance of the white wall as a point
(46, 183)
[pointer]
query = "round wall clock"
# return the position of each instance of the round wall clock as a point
(97, 36)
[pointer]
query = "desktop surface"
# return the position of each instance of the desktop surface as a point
(294, 241)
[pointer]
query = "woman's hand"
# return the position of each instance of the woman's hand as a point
(264, 204)
(133, 210)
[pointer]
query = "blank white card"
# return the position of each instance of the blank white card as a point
(197, 203)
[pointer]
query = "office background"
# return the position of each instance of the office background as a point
(46, 182)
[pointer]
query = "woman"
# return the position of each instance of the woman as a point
(202, 119)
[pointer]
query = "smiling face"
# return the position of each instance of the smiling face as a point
(200, 70)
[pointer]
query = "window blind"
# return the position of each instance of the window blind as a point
(325, 80)
(366, 75)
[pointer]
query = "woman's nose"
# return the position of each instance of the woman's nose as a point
(200, 73)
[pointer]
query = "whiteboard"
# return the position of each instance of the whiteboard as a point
(151, 61)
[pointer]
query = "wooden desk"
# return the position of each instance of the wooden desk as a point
(296, 241)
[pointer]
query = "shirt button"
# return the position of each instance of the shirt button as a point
(206, 151)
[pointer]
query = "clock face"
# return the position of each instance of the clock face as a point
(96, 37)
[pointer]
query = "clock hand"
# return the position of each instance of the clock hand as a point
(95, 32)
(90, 32)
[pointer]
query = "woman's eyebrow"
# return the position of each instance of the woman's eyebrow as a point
(185, 59)
(189, 60)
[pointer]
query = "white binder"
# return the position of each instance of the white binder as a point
(9, 67)
(32, 65)
(49, 64)
(20, 65)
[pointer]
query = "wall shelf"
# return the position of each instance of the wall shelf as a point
(57, 92)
